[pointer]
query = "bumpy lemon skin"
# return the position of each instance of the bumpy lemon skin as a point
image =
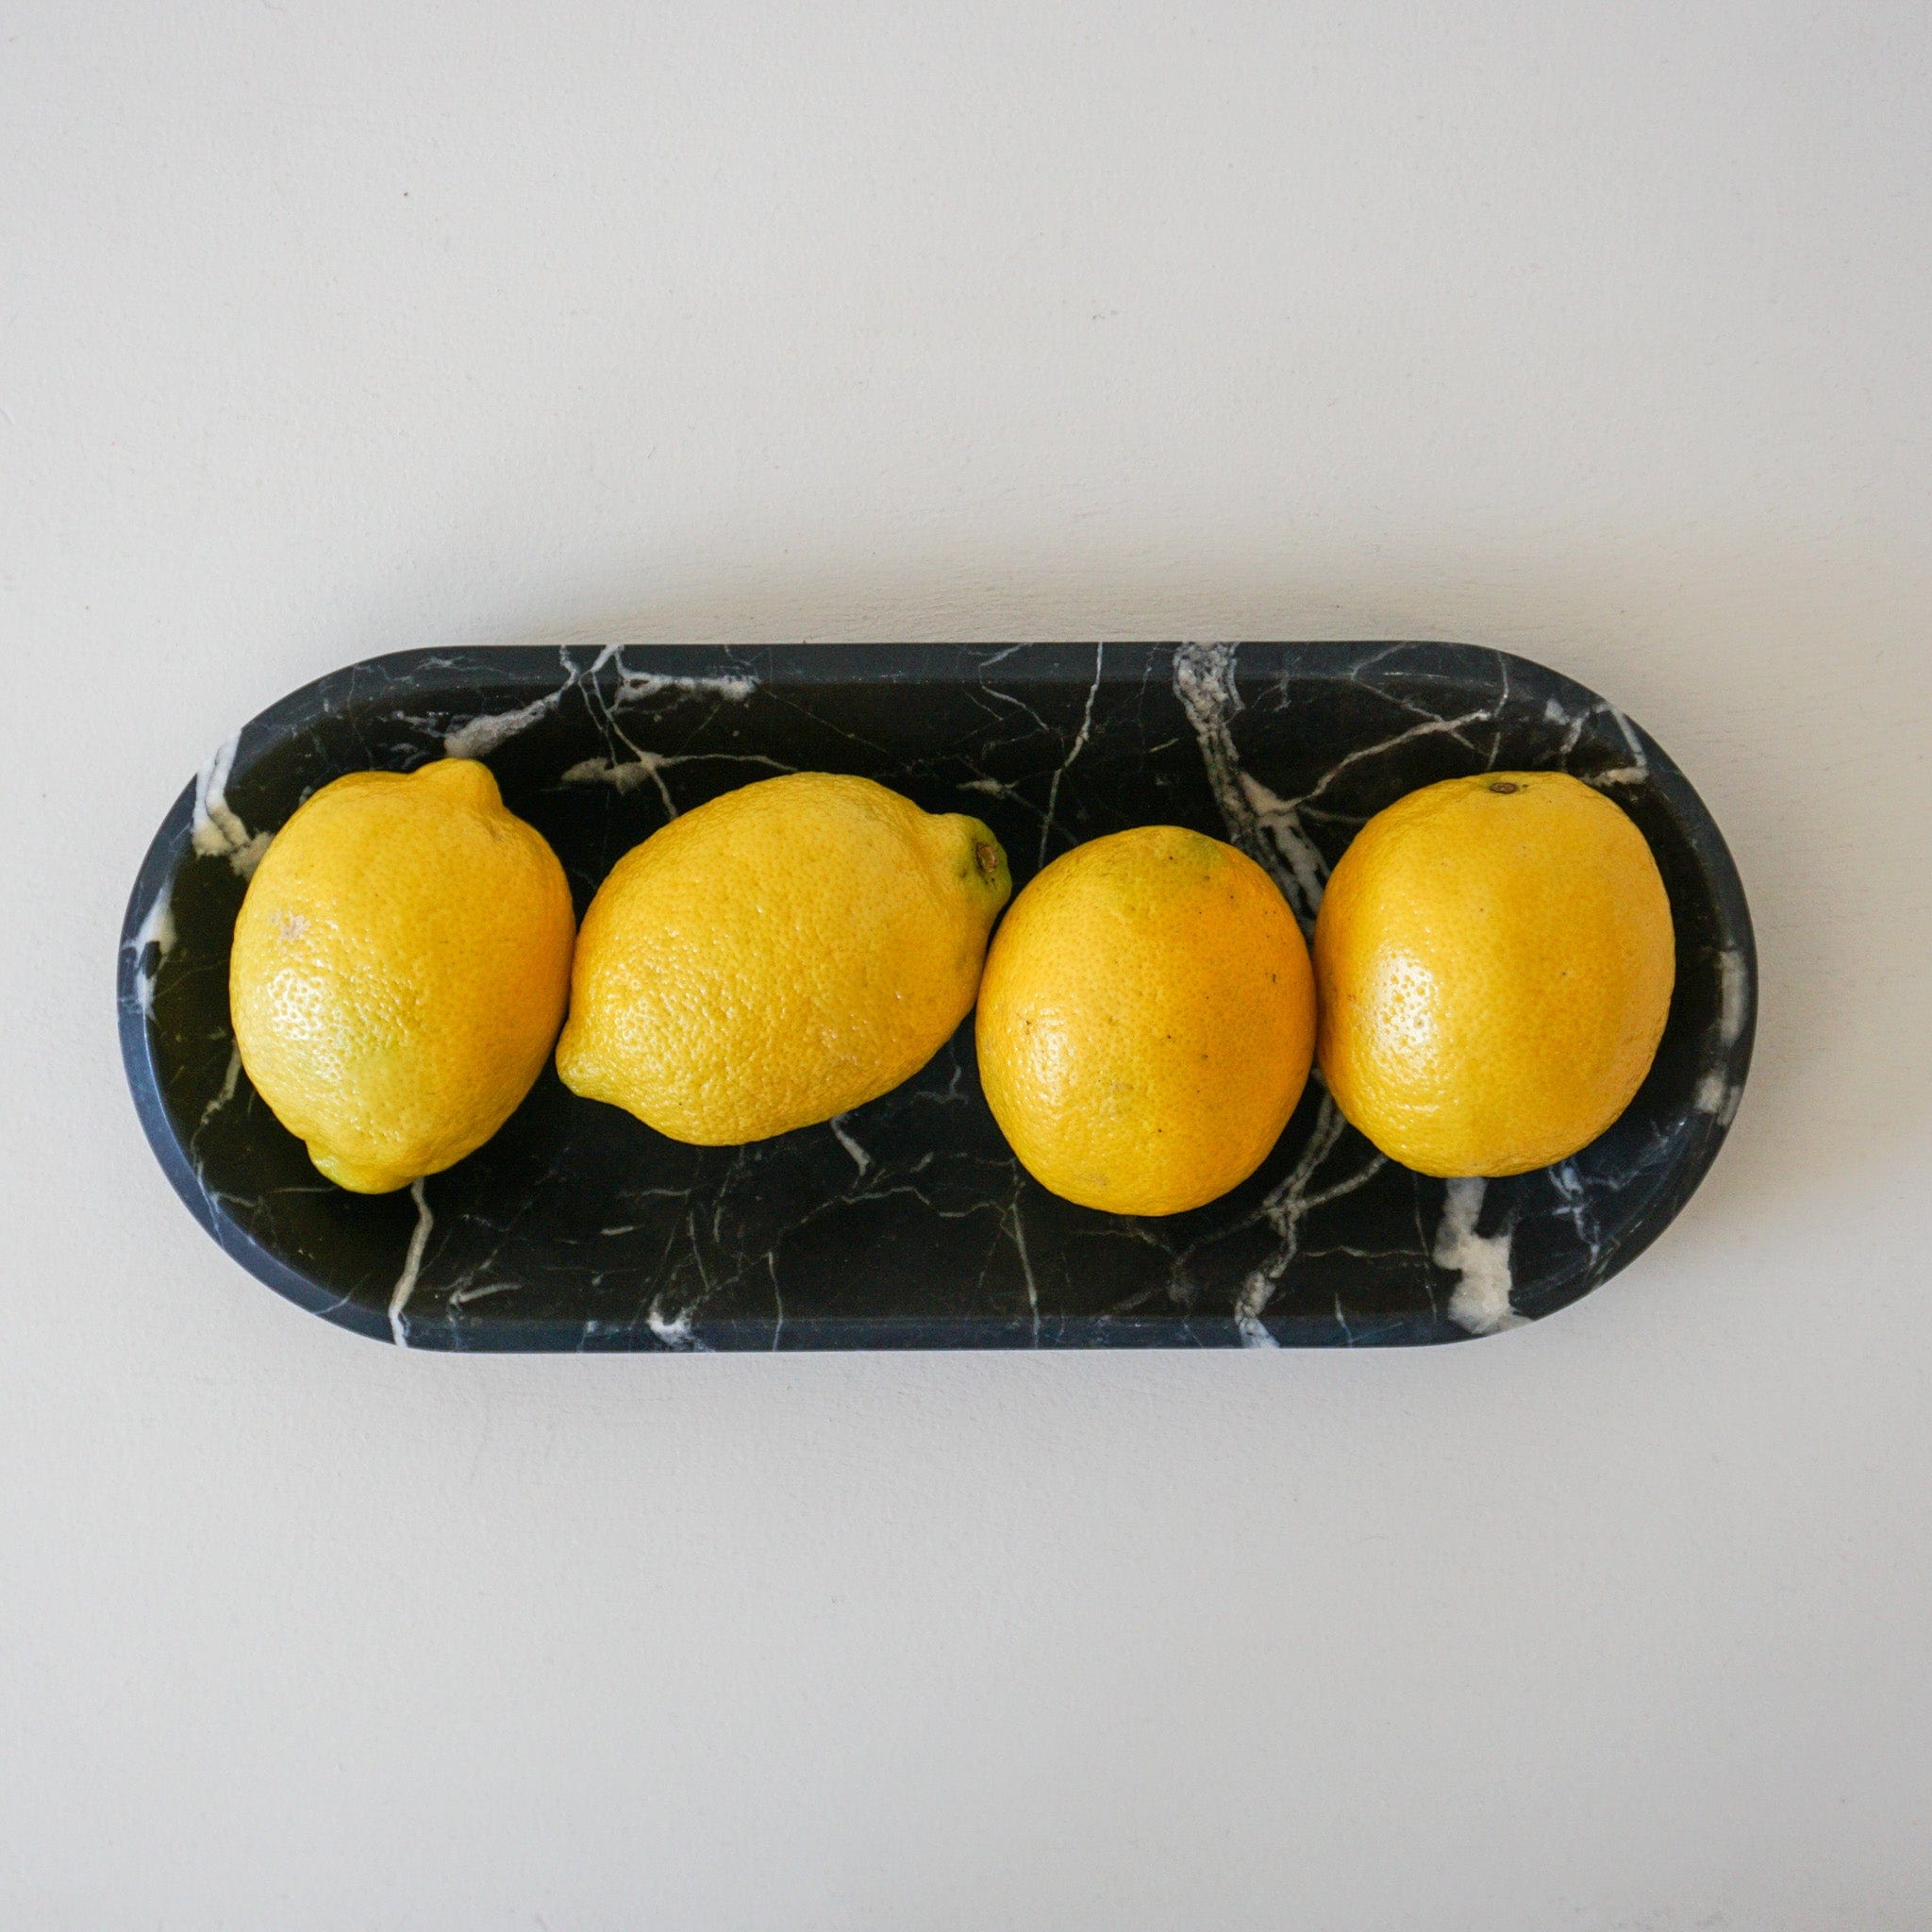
(400, 967)
(1146, 1021)
(1495, 959)
(779, 955)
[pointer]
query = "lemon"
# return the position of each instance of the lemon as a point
(1494, 958)
(400, 967)
(1146, 1021)
(778, 956)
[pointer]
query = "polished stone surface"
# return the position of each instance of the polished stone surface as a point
(907, 1223)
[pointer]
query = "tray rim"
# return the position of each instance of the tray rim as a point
(441, 669)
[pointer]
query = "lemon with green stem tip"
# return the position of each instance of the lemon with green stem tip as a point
(779, 955)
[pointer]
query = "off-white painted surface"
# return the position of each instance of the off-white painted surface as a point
(1596, 332)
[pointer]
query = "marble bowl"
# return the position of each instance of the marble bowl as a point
(908, 1223)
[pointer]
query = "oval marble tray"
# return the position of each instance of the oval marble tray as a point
(906, 1223)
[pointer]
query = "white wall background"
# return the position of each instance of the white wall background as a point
(1598, 332)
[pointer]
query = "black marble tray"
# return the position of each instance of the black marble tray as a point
(907, 1225)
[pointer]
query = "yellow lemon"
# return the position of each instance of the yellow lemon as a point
(1495, 961)
(778, 956)
(401, 963)
(1146, 1021)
